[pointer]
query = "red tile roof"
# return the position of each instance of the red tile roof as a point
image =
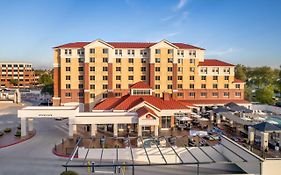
(238, 81)
(129, 101)
(144, 110)
(126, 45)
(214, 62)
(199, 102)
(140, 85)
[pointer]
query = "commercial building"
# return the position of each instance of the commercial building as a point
(88, 72)
(16, 74)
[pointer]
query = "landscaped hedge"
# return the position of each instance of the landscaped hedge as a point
(18, 134)
(69, 173)
(7, 129)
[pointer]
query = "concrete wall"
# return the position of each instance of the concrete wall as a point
(271, 166)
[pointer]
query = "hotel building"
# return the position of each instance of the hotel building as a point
(21, 72)
(88, 72)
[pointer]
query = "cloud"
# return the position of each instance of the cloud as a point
(181, 18)
(170, 34)
(221, 52)
(180, 4)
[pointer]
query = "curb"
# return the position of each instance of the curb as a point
(62, 155)
(11, 144)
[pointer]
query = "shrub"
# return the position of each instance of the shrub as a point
(18, 134)
(19, 127)
(1, 133)
(7, 129)
(69, 173)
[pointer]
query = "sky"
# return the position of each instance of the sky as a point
(244, 32)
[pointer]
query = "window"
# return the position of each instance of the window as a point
(118, 60)
(118, 77)
(192, 61)
(92, 95)
(191, 78)
(92, 69)
(237, 86)
(203, 94)
(67, 51)
(180, 61)
(157, 60)
(104, 86)
(67, 77)
(157, 95)
(157, 69)
(226, 86)
(120, 52)
(180, 94)
(67, 94)
(92, 77)
(179, 77)
(104, 95)
(80, 60)
(67, 60)
(192, 94)
(180, 69)
(143, 77)
(131, 60)
(80, 94)
(170, 86)
(129, 52)
(92, 60)
(118, 69)
(116, 52)
(118, 86)
(226, 94)
(166, 121)
(92, 51)
(203, 70)
(179, 86)
(80, 77)
(105, 51)
(143, 69)
(130, 69)
(215, 77)
(203, 77)
(104, 69)
(170, 51)
(215, 70)
(80, 86)
(92, 86)
(143, 52)
(215, 86)
(104, 77)
(143, 60)
(192, 69)
(157, 77)
(105, 60)
(67, 69)
(226, 77)
(170, 69)
(80, 51)
(237, 94)
(67, 86)
(170, 78)
(157, 86)
(118, 94)
(157, 51)
(181, 52)
(170, 60)
(192, 52)
(203, 86)
(80, 69)
(215, 94)
(130, 77)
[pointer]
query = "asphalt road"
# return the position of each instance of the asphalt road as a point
(35, 155)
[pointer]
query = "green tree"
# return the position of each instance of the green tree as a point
(48, 89)
(264, 95)
(240, 72)
(14, 82)
(248, 93)
(45, 79)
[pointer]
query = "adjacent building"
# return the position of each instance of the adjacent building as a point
(88, 72)
(16, 74)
